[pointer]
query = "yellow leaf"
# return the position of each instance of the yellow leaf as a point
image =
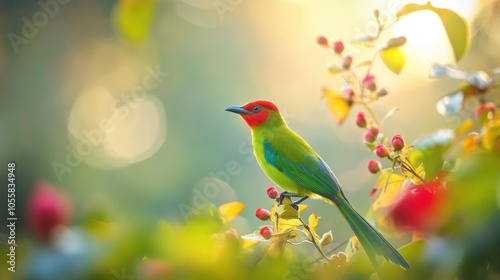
(392, 183)
(231, 210)
(464, 127)
(286, 212)
(337, 104)
(313, 222)
(302, 207)
(393, 58)
(245, 243)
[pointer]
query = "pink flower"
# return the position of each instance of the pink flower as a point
(47, 208)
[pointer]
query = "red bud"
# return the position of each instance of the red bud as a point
(381, 151)
(346, 62)
(374, 166)
(361, 120)
(398, 142)
(262, 214)
(266, 232)
(272, 193)
(338, 47)
(322, 41)
(369, 82)
(371, 134)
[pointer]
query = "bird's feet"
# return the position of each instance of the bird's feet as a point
(295, 205)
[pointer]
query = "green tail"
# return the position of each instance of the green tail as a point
(372, 241)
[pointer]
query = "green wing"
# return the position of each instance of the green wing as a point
(307, 170)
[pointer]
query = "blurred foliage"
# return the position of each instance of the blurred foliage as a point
(439, 196)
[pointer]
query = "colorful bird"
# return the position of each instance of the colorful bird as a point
(293, 165)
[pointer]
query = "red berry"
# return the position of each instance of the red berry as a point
(361, 120)
(338, 47)
(381, 151)
(398, 142)
(272, 193)
(322, 41)
(374, 166)
(262, 214)
(266, 232)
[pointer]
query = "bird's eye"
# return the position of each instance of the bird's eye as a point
(256, 109)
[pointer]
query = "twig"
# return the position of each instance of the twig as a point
(333, 250)
(312, 239)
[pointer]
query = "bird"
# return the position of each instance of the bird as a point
(290, 162)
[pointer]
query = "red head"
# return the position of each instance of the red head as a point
(256, 112)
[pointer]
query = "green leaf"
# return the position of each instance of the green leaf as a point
(455, 26)
(457, 30)
(412, 252)
(132, 19)
(393, 58)
(433, 147)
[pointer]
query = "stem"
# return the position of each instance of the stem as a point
(312, 238)
(333, 250)
(372, 114)
(405, 166)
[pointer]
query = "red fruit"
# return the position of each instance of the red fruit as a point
(338, 47)
(262, 214)
(420, 207)
(381, 151)
(361, 120)
(266, 232)
(398, 142)
(374, 166)
(272, 193)
(46, 209)
(322, 41)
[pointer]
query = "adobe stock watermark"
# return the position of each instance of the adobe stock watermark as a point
(31, 26)
(210, 186)
(206, 13)
(121, 109)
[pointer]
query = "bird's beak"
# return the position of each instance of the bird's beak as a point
(238, 110)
